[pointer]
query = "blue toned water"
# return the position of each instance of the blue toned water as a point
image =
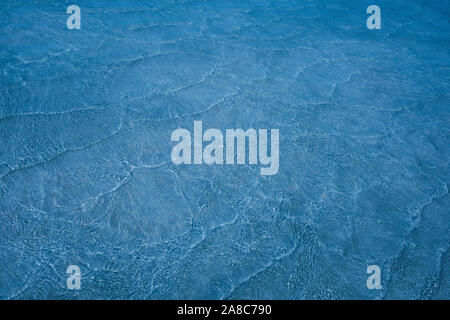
(86, 176)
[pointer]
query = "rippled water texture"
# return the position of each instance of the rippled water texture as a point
(86, 176)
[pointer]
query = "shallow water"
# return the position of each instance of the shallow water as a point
(86, 176)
